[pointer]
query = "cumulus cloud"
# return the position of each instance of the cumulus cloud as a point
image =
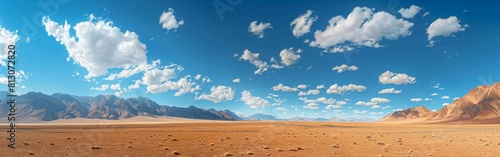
(330, 102)
(281, 109)
(302, 24)
(168, 20)
(281, 87)
(6, 38)
(358, 111)
(253, 101)
(444, 104)
(158, 80)
(309, 92)
(320, 87)
(389, 91)
(218, 94)
(115, 86)
(373, 102)
(98, 45)
(361, 27)
(301, 86)
(254, 59)
(410, 12)
(258, 29)
(236, 80)
(444, 28)
(311, 106)
(416, 99)
(434, 94)
(289, 57)
(345, 67)
(336, 89)
(102, 88)
(395, 78)
(445, 97)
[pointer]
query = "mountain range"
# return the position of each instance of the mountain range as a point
(479, 104)
(39, 107)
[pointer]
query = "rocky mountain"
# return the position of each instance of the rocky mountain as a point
(480, 103)
(411, 113)
(261, 117)
(37, 107)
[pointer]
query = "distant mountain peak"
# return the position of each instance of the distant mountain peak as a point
(480, 103)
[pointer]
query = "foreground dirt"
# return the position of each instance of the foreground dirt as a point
(256, 139)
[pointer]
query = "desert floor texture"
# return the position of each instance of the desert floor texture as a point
(210, 138)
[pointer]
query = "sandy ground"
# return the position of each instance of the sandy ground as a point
(209, 138)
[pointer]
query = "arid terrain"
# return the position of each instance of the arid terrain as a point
(183, 137)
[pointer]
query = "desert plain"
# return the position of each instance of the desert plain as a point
(142, 136)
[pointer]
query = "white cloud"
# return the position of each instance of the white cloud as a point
(329, 107)
(254, 59)
(302, 24)
(444, 104)
(6, 38)
(102, 88)
(425, 14)
(236, 80)
(288, 57)
(310, 92)
(336, 89)
(320, 87)
(376, 112)
(410, 12)
(395, 78)
(253, 101)
(4, 80)
(197, 77)
(159, 80)
(302, 86)
(444, 28)
(281, 109)
(98, 45)
(445, 97)
(434, 94)
(361, 28)
(427, 99)
(389, 91)
(344, 67)
(358, 111)
(416, 99)
(281, 87)
(373, 102)
(399, 109)
(456, 98)
(311, 106)
(386, 107)
(136, 85)
(115, 87)
(168, 20)
(206, 79)
(258, 29)
(218, 94)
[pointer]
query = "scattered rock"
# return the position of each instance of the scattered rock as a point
(25, 143)
(176, 152)
(95, 147)
(380, 143)
(173, 139)
(212, 144)
(166, 148)
(228, 154)
(264, 147)
(31, 153)
(279, 149)
(335, 146)
(129, 146)
(250, 152)
(300, 148)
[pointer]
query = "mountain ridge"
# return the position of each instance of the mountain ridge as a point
(479, 104)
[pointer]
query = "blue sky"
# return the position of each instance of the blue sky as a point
(216, 54)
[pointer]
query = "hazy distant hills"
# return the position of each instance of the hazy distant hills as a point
(301, 119)
(37, 107)
(480, 103)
